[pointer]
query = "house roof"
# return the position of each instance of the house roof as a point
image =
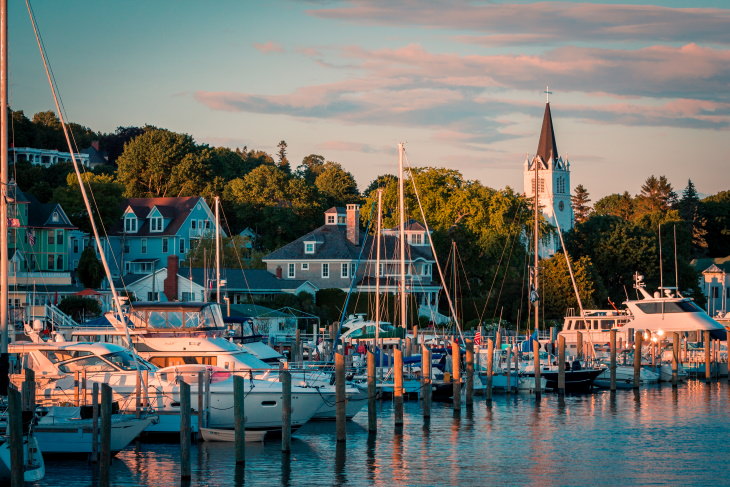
(336, 246)
(176, 209)
(39, 214)
(15, 193)
(95, 156)
(410, 225)
(256, 311)
(336, 209)
(710, 264)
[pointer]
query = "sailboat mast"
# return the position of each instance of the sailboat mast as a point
(402, 238)
(377, 267)
(217, 252)
(4, 296)
(535, 274)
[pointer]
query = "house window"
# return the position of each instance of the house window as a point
(188, 296)
(309, 247)
(344, 272)
(292, 273)
(144, 245)
(207, 224)
(126, 247)
(130, 224)
(426, 269)
(340, 220)
(182, 245)
(51, 237)
(381, 269)
(76, 245)
(59, 262)
(59, 237)
(353, 269)
(193, 224)
(153, 296)
(330, 219)
(54, 217)
(51, 261)
(325, 270)
(156, 224)
(165, 246)
(305, 266)
(416, 239)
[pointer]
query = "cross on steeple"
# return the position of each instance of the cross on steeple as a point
(547, 94)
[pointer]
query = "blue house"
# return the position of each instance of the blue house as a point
(152, 229)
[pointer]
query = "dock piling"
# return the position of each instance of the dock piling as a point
(105, 458)
(426, 378)
(637, 359)
(239, 424)
(340, 397)
(95, 422)
(613, 359)
(15, 426)
(490, 367)
(708, 369)
(398, 386)
(456, 373)
(372, 391)
(184, 428)
(561, 364)
(675, 359)
(469, 373)
(285, 378)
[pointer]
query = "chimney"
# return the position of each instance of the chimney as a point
(170, 284)
(278, 272)
(95, 144)
(353, 224)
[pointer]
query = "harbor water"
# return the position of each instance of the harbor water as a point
(652, 436)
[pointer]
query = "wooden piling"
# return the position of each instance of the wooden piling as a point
(561, 364)
(105, 457)
(77, 385)
(372, 413)
(708, 370)
(498, 341)
(456, 373)
(490, 367)
(84, 392)
(239, 419)
(285, 378)
(340, 397)
(469, 373)
(206, 398)
(184, 430)
(398, 386)
(637, 359)
(414, 342)
(298, 347)
(95, 422)
(507, 369)
(536, 356)
(138, 394)
(612, 365)
(408, 347)
(579, 345)
(426, 380)
(15, 427)
(28, 391)
(675, 359)
(201, 398)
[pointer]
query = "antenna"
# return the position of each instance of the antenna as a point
(661, 274)
(676, 268)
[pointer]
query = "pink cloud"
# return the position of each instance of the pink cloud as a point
(268, 47)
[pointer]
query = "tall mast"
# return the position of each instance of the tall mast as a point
(4, 177)
(402, 238)
(535, 273)
(217, 252)
(377, 267)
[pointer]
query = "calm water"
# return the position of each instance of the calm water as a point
(656, 436)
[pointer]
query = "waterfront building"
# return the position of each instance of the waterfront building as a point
(332, 257)
(715, 284)
(45, 157)
(553, 184)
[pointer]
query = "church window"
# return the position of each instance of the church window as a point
(542, 185)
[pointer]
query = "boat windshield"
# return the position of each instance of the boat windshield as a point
(125, 361)
(207, 317)
(668, 307)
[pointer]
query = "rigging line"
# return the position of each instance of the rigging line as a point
(567, 258)
(115, 296)
(433, 250)
(499, 263)
(468, 283)
(238, 255)
(509, 258)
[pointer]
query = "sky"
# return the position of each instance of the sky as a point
(638, 88)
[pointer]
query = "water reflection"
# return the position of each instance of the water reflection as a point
(340, 460)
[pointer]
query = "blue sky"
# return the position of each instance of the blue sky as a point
(639, 88)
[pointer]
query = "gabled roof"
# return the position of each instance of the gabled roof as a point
(336, 209)
(411, 225)
(547, 148)
(16, 194)
(707, 264)
(715, 268)
(336, 246)
(176, 209)
(39, 215)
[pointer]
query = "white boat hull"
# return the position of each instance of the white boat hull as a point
(34, 466)
(229, 435)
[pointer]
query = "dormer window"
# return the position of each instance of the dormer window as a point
(330, 219)
(416, 239)
(54, 217)
(308, 247)
(130, 224)
(156, 224)
(340, 220)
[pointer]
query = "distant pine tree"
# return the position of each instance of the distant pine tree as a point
(580, 200)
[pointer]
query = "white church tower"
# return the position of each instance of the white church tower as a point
(553, 183)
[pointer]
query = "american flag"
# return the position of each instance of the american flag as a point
(31, 237)
(478, 338)
(13, 222)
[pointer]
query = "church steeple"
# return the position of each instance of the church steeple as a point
(547, 148)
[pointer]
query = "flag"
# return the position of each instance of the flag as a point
(31, 237)
(478, 338)
(13, 222)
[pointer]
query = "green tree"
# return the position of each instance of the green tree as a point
(656, 195)
(283, 162)
(336, 185)
(90, 271)
(80, 307)
(557, 292)
(580, 201)
(689, 211)
(715, 210)
(311, 167)
(620, 205)
(104, 194)
(161, 163)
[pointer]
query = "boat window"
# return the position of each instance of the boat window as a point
(580, 325)
(56, 356)
(192, 319)
(668, 307)
(157, 319)
(89, 364)
(171, 361)
(125, 361)
(174, 319)
(607, 324)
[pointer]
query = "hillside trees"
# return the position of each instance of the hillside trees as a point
(104, 193)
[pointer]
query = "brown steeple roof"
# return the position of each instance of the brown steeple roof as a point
(547, 148)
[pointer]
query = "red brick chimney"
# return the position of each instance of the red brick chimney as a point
(95, 144)
(353, 224)
(278, 272)
(170, 284)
